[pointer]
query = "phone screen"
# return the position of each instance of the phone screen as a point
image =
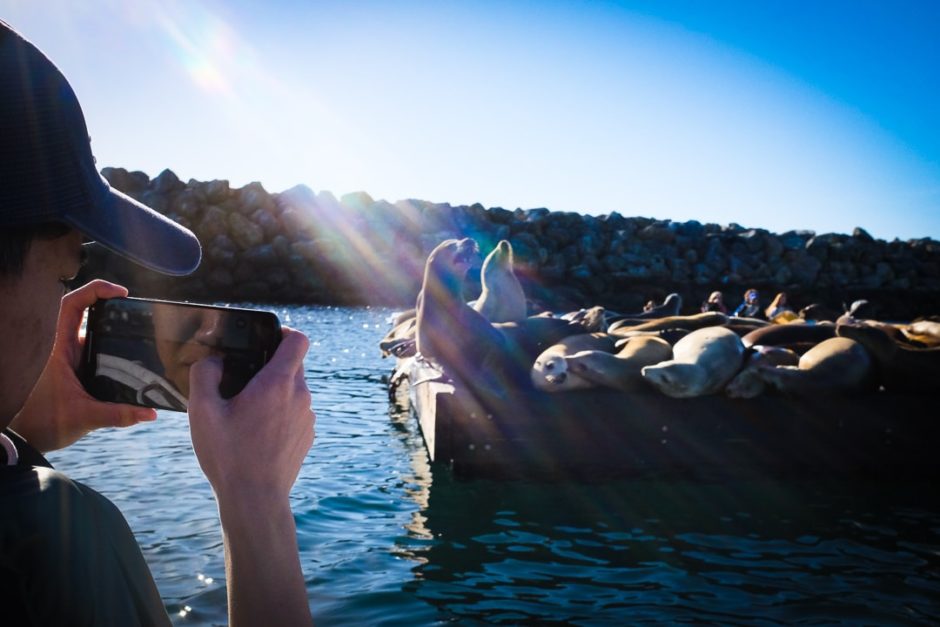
(140, 351)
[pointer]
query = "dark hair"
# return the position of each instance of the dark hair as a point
(16, 240)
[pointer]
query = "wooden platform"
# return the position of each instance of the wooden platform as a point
(603, 433)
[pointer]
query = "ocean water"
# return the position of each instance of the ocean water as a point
(385, 539)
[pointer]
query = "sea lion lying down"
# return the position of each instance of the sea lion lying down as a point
(834, 365)
(559, 369)
(703, 362)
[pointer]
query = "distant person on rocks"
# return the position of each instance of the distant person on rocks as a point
(67, 556)
(750, 306)
(778, 308)
(715, 302)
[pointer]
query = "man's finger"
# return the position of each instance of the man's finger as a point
(77, 301)
(288, 359)
(117, 414)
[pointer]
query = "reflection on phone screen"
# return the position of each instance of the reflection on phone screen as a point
(144, 350)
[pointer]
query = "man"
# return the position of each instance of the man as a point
(66, 553)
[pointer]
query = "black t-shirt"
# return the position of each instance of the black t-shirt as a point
(67, 556)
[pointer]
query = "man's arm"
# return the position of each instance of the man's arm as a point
(250, 447)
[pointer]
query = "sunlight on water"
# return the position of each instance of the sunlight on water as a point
(385, 539)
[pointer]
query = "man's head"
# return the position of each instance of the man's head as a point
(48, 173)
(52, 198)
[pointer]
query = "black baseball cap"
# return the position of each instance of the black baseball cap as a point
(48, 173)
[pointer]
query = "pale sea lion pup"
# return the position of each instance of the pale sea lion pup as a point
(550, 370)
(502, 298)
(623, 370)
(703, 362)
(748, 383)
(834, 365)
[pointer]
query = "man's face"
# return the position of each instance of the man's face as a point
(29, 310)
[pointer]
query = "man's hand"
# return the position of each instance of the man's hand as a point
(251, 448)
(59, 411)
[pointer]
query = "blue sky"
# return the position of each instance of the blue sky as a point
(819, 115)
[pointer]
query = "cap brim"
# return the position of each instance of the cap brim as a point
(139, 233)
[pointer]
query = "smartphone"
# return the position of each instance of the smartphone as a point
(139, 351)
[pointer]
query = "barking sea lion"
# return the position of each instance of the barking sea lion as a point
(448, 331)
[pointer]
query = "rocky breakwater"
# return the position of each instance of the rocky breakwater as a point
(307, 247)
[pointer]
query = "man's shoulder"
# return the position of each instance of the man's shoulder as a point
(45, 497)
(67, 555)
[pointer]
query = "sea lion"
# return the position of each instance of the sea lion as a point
(550, 370)
(622, 371)
(703, 362)
(925, 332)
(748, 382)
(593, 319)
(670, 335)
(527, 339)
(448, 331)
(836, 365)
(815, 312)
(901, 367)
(789, 335)
(400, 341)
(625, 328)
(501, 298)
(669, 307)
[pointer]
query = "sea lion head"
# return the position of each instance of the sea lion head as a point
(673, 303)
(447, 265)
(747, 384)
(551, 373)
(674, 379)
(499, 258)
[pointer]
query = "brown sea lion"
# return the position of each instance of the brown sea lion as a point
(670, 335)
(748, 382)
(925, 332)
(836, 365)
(622, 371)
(529, 338)
(788, 335)
(501, 298)
(593, 319)
(815, 312)
(695, 321)
(901, 367)
(669, 307)
(400, 341)
(448, 331)
(703, 362)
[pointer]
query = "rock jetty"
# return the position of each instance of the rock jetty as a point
(301, 246)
